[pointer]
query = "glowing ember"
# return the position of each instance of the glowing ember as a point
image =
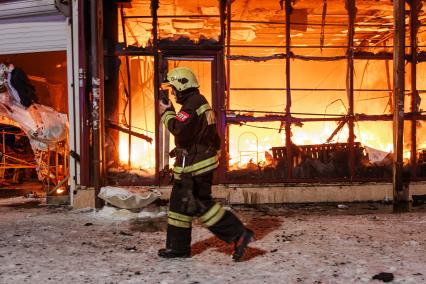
(60, 190)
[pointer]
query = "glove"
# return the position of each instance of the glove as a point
(162, 107)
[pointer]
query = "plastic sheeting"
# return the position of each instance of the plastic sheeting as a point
(44, 126)
(54, 127)
(127, 198)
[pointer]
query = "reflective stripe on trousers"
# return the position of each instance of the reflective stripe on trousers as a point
(213, 215)
(179, 220)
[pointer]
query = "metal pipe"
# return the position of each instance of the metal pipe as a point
(48, 170)
(173, 16)
(228, 52)
(358, 117)
(259, 22)
(414, 28)
(72, 90)
(115, 126)
(366, 56)
(83, 145)
(96, 55)
(220, 90)
(129, 88)
(276, 118)
(61, 183)
(303, 46)
(309, 89)
(288, 142)
(222, 10)
(225, 142)
(4, 152)
(280, 112)
(399, 194)
(154, 8)
(56, 162)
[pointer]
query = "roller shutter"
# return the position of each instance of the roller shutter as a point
(31, 26)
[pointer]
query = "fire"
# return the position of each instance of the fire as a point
(247, 148)
(143, 153)
(60, 190)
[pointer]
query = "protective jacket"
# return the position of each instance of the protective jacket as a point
(197, 145)
(196, 139)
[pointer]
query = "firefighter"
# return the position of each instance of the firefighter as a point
(197, 156)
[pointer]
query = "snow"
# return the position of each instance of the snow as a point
(117, 214)
(44, 244)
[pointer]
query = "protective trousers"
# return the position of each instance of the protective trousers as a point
(191, 197)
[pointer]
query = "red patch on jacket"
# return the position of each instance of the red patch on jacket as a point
(182, 116)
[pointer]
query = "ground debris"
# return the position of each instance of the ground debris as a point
(384, 276)
(125, 233)
(316, 243)
(131, 248)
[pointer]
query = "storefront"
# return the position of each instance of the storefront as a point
(302, 91)
(37, 37)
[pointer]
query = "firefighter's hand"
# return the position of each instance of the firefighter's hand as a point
(162, 107)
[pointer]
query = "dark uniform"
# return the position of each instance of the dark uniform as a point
(197, 155)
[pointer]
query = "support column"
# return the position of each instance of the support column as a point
(154, 8)
(129, 89)
(225, 142)
(222, 87)
(350, 85)
(96, 32)
(111, 70)
(288, 142)
(83, 66)
(415, 6)
(400, 195)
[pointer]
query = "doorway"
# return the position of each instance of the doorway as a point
(204, 68)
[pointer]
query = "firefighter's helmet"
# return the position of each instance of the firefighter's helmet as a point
(182, 78)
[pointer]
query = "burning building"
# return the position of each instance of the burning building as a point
(35, 87)
(304, 91)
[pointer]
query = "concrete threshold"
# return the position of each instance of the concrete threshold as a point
(305, 193)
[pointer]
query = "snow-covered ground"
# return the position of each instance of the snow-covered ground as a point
(42, 244)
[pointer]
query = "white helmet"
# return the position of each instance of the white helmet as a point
(182, 78)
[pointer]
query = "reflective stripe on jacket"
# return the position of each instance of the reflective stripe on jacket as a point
(194, 129)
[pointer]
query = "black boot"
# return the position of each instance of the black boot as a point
(242, 243)
(171, 253)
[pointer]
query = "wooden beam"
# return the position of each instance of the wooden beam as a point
(415, 6)
(400, 196)
(154, 9)
(350, 84)
(288, 142)
(112, 125)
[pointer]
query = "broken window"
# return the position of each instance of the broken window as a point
(132, 126)
(319, 89)
(319, 28)
(189, 22)
(135, 25)
(373, 87)
(327, 87)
